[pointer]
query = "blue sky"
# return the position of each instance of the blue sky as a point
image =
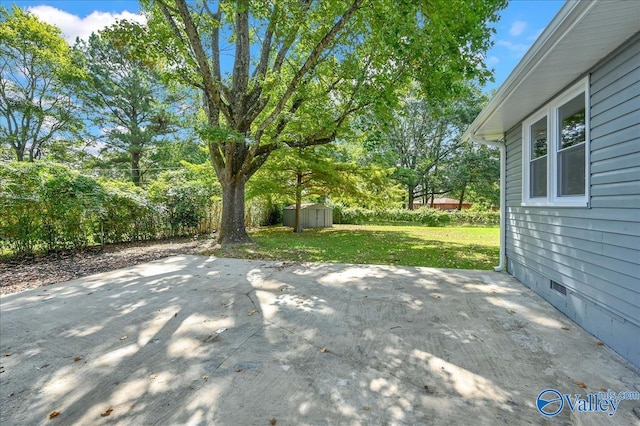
(521, 23)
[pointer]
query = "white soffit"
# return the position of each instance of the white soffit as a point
(582, 33)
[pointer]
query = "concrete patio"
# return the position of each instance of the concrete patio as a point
(197, 340)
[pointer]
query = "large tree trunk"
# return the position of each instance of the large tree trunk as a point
(297, 225)
(232, 229)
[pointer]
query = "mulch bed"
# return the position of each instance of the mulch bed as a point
(21, 274)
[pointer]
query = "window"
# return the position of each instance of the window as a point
(571, 141)
(538, 163)
(555, 151)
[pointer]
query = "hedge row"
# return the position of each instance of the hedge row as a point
(425, 216)
(49, 207)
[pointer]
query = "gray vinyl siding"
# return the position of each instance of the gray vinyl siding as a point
(594, 252)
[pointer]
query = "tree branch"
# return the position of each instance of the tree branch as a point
(211, 86)
(308, 65)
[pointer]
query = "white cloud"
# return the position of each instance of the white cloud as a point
(492, 60)
(517, 28)
(518, 48)
(73, 26)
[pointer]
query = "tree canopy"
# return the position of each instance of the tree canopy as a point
(292, 73)
(37, 68)
(422, 140)
(126, 101)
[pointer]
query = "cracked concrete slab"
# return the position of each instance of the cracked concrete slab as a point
(197, 340)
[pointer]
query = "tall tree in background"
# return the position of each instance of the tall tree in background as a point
(126, 102)
(474, 175)
(423, 142)
(294, 59)
(37, 109)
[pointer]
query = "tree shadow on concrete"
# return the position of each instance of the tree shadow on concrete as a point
(195, 340)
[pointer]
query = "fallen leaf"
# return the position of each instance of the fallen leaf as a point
(251, 312)
(107, 412)
(426, 388)
(564, 327)
(238, 369)
(76, 359)
(604, 390)
(511, 311)
(366, 408)
(273, 421)
(599, 343)
(54, 414)
(324, 349)
(581, 385)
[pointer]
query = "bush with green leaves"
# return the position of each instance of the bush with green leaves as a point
(470, 217)
(127, 214)
(426, 216)
(50, 207)
(20, 188)
(71, 202)
(187, 201)
(45, 205)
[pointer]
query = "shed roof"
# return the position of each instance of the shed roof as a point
(306, 206)
(578, 37)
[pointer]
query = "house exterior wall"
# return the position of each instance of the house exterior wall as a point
(593, 252)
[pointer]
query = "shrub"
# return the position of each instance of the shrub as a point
(127, 214)
(186, 201)
(20, 226)
(469, 217)
(424, 215)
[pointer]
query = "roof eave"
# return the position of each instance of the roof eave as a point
(564, 20)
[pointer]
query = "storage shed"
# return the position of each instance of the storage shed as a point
(312, 215)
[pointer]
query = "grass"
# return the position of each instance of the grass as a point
(443, 247)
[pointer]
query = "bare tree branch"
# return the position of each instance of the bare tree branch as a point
(308, 65)
(214, 101)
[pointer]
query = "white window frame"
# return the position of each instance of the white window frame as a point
(551, 110)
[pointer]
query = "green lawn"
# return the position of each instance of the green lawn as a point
(444, 247)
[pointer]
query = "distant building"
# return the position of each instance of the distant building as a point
(443, 204)
(312, 215)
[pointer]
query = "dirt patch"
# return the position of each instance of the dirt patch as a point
(21, 274)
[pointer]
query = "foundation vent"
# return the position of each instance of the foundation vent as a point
(559, 288)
